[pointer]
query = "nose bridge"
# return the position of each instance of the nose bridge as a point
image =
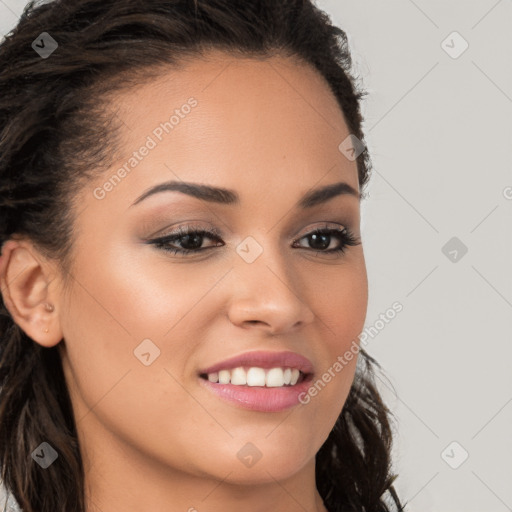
(267, 290)
(261, 260)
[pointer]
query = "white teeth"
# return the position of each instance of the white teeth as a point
(224, 376)
(275, 378)
(254, 376)
(213, 377)
(238, 377)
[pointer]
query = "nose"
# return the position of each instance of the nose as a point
(267, 294)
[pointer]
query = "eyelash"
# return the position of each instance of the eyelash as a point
(346, 237)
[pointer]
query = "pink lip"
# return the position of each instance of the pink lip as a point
(259, 398)
(263, 359)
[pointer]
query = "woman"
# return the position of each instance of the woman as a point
(182, 270)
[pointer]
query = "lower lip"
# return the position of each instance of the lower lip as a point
(259, 398)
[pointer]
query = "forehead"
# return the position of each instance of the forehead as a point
(254, 124)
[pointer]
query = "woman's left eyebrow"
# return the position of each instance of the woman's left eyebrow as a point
(230, 197)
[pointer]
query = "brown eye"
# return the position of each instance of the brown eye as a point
(190, 240)
(321, 239)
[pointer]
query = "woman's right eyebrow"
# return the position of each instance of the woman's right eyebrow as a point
(230, 197)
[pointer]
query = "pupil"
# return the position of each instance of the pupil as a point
(324, 244)
(196, 238)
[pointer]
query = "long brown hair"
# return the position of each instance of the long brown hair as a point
(55, 132)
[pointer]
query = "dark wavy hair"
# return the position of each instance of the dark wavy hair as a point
(56, 133)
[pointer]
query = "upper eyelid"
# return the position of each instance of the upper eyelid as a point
(217, 235)
(188, 228)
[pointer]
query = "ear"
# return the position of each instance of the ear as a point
(25, 277)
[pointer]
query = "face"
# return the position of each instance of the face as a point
(139, 321)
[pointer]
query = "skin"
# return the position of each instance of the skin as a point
(151, 437)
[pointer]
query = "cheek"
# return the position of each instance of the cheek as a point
(132, 298)
(341, 304)
(341, 310)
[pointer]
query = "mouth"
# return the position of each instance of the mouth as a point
(259, 380)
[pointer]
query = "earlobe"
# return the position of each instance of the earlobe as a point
(24, 280)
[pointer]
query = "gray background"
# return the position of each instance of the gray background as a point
(439, 133)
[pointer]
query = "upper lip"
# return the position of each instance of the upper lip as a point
(263, 359)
